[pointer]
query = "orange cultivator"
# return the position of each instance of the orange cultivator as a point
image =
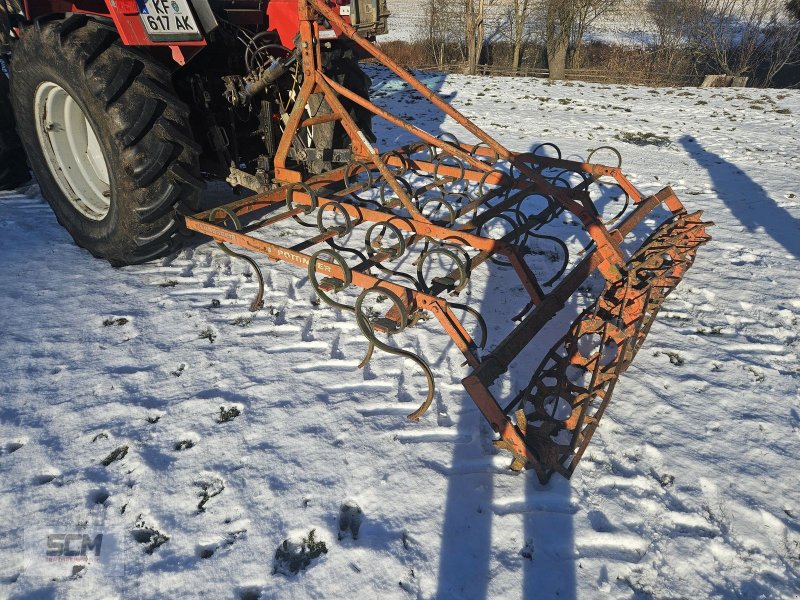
(438, 203)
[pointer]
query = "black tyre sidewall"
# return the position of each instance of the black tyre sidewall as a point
(13, 168)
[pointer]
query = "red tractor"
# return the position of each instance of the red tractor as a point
(124, 107)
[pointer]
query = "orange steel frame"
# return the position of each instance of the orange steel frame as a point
(303, 196)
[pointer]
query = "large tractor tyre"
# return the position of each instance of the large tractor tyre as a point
(107, 138)
(13, 168)
(341, 65)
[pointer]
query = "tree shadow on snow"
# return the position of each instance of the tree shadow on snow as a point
(748, 201)
(480, 496)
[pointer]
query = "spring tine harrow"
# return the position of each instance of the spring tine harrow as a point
(412, 226)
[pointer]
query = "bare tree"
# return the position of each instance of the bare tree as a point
(559, 18)
(753, 38)
(443, 29)
(565, 24)
(474, 32)
(732, 33)
(675, 43)
(586, 13)
(520, 12)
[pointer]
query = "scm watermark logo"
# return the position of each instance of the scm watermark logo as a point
(72, 546)
(63, 551)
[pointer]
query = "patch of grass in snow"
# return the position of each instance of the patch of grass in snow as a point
(243, 321)
(643, 138)
(758, 376)
(712, 331)
(208, 490)
(674, 358)
(291, 557)
(117, 454)
(350, 518)
(666, 480)
(151, 537)
(208, 334)
(118, 322)
(792, 549)
(228, 414)
(527, 550)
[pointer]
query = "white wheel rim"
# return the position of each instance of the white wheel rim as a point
(72, 151)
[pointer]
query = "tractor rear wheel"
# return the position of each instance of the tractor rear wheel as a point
(107, 137)
(13, 169)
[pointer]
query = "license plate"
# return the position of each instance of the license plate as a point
(169, 20)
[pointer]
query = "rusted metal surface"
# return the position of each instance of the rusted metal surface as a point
(411, 226)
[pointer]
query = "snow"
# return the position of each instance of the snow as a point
(689, 488)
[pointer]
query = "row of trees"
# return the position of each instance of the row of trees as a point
(753, 38)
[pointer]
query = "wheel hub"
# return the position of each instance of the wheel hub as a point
(72, 150)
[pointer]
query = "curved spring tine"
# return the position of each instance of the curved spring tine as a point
(493, 157)
(621, 212)
(546, 145)
(258, 302)
(451, 212)
(463, 275)
(368, 355)
(367, 329)
(500, 262)
(565, 253)
(521, 315)
(423, 147)
(448, 137)
(440, 162)
(341, 230)
(481, 322)
(382, 190)
(457, 244)
(398, 171)
(373, 245)
(482, 191)
(312, 276)
(613, 150)
(351, 170)
(306, 211)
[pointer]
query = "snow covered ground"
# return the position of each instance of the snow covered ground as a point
(690, 489)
